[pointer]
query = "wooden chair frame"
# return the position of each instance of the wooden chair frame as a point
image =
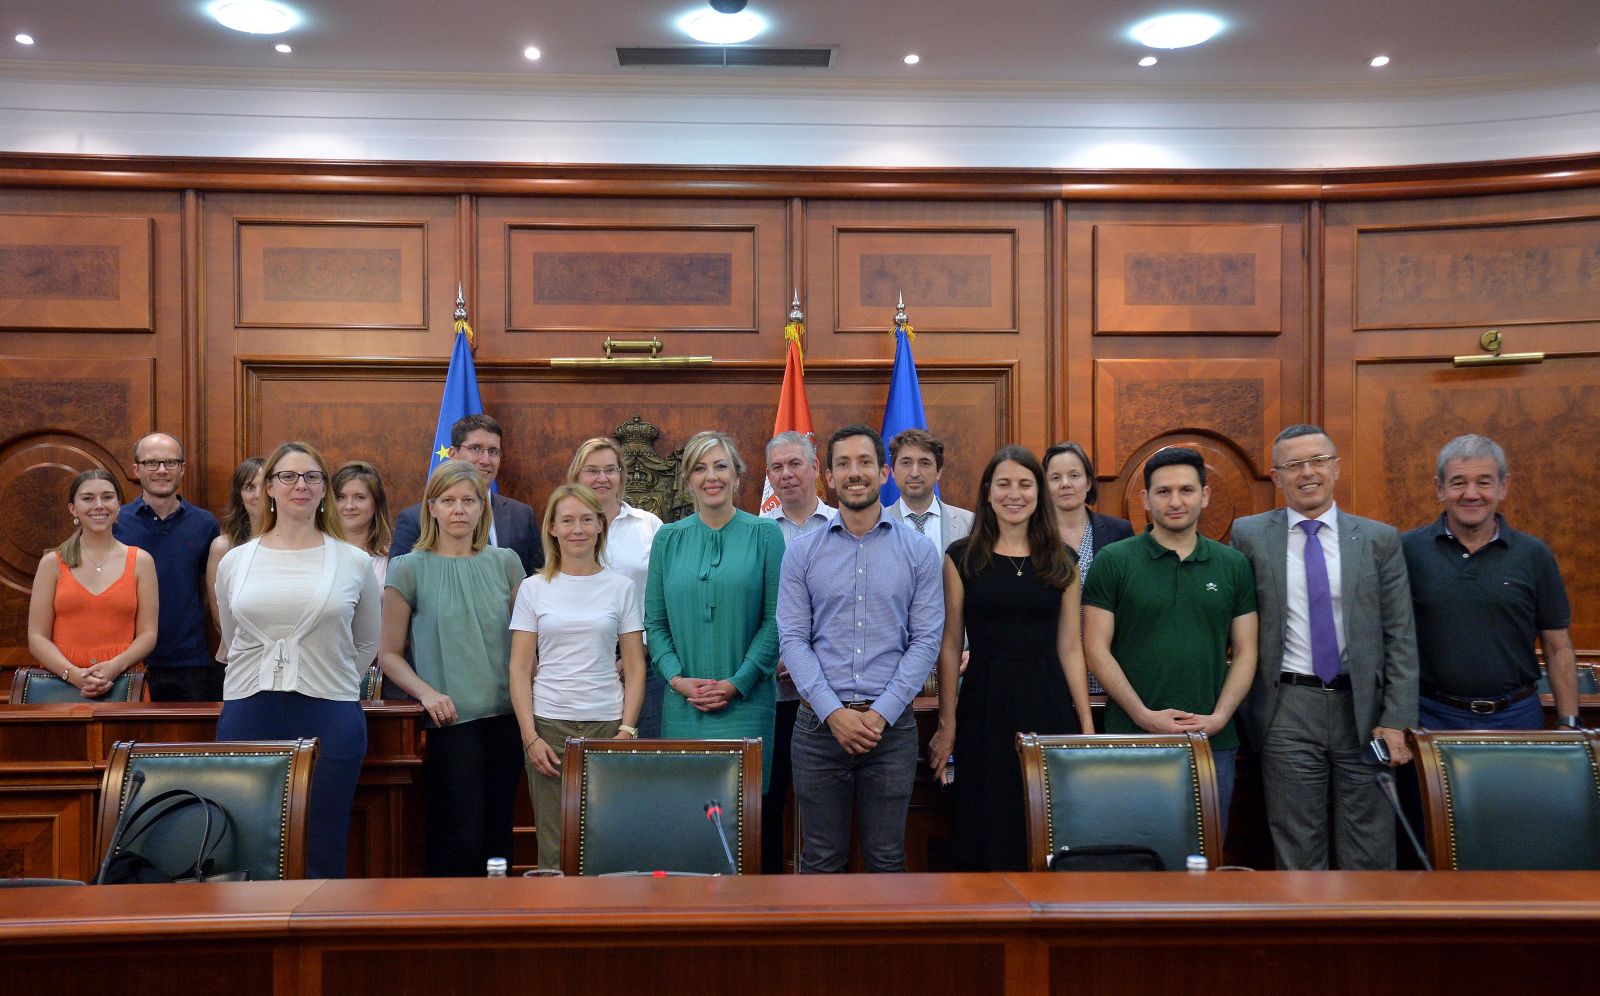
(1437, 814)
(302, 754)
(22, 675)
(748, 854)
(1031, 748)
(372, 684)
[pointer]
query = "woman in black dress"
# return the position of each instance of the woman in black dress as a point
(1013, 587)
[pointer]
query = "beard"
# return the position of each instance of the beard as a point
(868, 499)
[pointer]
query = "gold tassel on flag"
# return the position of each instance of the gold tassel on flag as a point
(461, 320)
(902, 320)
(796, 328)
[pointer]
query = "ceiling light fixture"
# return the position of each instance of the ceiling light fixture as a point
(255, 17)
(1176, 30)
(726, 23)
(283, 48)
(1378, 61)
(1148, 61)
(24, 39)
(532, 53)
(913, 59)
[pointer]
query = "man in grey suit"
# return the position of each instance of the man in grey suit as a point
(1337, 664)
(476, 439)
(916, 458)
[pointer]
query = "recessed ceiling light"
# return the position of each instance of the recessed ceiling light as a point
(913, 59)
(722, 29)
(532, 53)
(1148, 61)
(283, 47)
(1378, 61)
(1176, 30)
(24, 39)
(256, 17)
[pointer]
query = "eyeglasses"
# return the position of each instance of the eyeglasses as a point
(1315, 463)
(160, 464)
(476, 450)
(289, 477)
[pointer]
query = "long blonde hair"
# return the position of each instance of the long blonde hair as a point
(552, 549)
(71, 550)
(325, 522)
(446, 476)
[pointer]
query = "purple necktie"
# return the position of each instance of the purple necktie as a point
(1319, 606)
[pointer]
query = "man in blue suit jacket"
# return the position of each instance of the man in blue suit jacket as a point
(1311, 729)
(476, 439)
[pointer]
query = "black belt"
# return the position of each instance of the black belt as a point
(860, 705)
(1487, 707)
(1338, 684)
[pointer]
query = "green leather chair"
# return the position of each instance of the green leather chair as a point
(265, 787)
(1158, 792)
(1501, 799)
(37, 686)
(639, 806)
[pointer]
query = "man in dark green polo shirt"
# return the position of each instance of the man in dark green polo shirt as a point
(1161, 611)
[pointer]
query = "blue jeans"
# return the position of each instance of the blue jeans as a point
(341, 732)
(830, 784)
(1435, 715)
(1225, 762)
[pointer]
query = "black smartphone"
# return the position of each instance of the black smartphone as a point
(1378, 751)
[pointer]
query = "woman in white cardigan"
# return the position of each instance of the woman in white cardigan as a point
(299, 612)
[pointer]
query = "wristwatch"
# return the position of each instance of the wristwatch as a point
(632, 731)
(1573, 721)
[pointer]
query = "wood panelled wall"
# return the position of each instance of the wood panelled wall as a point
(241, 304)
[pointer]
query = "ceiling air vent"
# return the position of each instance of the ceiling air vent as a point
(727, 55)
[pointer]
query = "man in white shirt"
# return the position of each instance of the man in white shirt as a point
(792, 472)
(1337, 665)
(916, 458)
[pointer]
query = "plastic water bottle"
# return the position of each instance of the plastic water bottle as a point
(497, 867)
(1197, 863)
(949, 777)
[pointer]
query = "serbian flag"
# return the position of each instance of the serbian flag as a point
(904, 409)
(794, 412)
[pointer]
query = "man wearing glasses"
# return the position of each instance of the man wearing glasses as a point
(513, 525)
(1337, 665)
(177, 535)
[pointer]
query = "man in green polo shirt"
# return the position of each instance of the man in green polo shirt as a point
(1161, 612)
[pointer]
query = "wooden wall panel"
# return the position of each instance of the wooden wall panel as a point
(63, 273)
(559, 275)
(1185, 325)
(345, 276)
(976, 292)
(1410, 285)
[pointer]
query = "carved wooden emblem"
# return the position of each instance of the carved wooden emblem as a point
(652, 480)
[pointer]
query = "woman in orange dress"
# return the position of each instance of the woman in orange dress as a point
(93, 610)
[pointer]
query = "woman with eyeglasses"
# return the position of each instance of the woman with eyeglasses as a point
(94, 605)
(598, 466)
(451, 596)
(299, 609)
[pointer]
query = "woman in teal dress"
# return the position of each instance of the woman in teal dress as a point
(711, 606)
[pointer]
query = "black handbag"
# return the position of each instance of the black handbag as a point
(1106, 858)
(130, 866)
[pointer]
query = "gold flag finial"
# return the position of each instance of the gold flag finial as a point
(901, 321)
(462, 325)
(796, 327)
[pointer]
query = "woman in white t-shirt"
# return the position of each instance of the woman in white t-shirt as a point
(565, 629)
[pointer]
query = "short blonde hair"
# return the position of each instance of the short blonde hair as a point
(587, 449)
(552, 549)
(702, 443)
(446, 476)
(330, 524)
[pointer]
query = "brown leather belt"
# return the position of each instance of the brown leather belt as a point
(1487, 707)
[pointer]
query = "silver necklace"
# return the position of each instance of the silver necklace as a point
(1015, 562)
(103, 560)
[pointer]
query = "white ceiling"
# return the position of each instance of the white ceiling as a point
(1002, 83)
(1032, 41)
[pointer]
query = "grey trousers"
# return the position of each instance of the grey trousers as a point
(1314, 756)
(831, 784)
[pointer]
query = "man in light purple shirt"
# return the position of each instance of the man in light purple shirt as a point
(860, 615)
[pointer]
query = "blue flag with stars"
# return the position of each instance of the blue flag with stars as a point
(904, 410)
(460, 399)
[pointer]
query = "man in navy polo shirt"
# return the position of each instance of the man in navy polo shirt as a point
(177, 535)
(1483, 594)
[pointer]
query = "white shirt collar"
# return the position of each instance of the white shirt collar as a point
(1329, 519)
(934, 509)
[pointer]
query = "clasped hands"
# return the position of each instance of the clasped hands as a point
(93, 681)
(705, 694)
(857, 732)
(1178, 721)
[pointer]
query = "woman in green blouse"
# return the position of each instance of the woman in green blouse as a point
(711, 606)
(452, 595)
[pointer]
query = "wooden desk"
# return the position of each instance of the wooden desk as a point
(55, 755)
(1227, 933)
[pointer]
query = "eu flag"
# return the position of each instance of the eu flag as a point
(904, 410)
(460, 399)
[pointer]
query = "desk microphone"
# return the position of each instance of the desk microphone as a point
(135, 783)
(714, 814)
(1385, 779)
